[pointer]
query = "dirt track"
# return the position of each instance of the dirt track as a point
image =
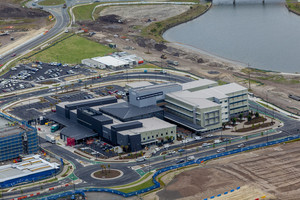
(273, 172)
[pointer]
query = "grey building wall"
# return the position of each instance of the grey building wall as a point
(60, 110)
(150, 95)
(135, 142)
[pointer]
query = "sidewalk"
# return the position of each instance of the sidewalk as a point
(258, 100)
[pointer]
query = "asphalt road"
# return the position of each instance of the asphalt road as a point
(62, 21)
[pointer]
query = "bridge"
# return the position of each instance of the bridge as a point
(263, 1)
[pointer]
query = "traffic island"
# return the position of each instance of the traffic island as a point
(107, 174)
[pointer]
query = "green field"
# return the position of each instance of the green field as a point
(84, 12)
(51, 2)
(155, 30)
(72, 50)
(293, 6)
(144, 185)
(148, 65)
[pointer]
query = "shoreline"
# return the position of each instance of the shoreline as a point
(237, 64)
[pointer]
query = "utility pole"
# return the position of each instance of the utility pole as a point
(249, 71)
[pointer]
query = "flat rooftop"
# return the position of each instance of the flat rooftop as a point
(149, 124)
(7, 128)
(158, 86)
(197, 83)
(110, 61)
(139, 84)
(230, 88)
(30, 165)
(192, 99)
(209, 93)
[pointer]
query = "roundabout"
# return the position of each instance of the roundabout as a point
(107, 174)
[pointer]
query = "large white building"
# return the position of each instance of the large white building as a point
(118, 60)
(203, 106)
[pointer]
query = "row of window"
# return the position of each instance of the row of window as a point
(156, 136)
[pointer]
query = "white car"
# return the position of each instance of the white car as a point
(220, 150)
(141, 159)
(205, 144)
(241, 145)
(198, 138)
(209, 135)
(190, 158)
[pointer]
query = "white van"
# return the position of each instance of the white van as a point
(190, 158)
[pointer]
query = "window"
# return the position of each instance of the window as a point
(148, 137)
(157, 135)
(171, 131)
(166, 133)
(144, 138)
(161, 134)
(152, 136)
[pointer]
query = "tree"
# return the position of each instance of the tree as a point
(251, 113)
(164, 157)
(241, 116)
(233, 120)
(256, 114)
(108, 166)
(249, 118)
(126, 148)
(167, 138)
(224, 125)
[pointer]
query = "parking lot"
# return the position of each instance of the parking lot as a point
(109, 90)
(98, 149)
(72, 96)
(41, 72)
(12, 85)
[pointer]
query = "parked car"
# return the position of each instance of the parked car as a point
(198, 138)
(209, 136)
(181, 150)
(180, 161)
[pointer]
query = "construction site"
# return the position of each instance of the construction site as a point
(16, 139)
(270, 173)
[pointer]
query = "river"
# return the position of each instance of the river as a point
(263, 36)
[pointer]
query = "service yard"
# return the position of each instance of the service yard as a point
(273, 172)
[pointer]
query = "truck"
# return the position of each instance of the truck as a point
(51, 139)
(173, 62)
(54, 128)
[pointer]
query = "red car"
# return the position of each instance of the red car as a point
(13, 55)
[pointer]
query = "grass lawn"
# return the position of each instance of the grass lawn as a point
(155, 30)
(51, 2)
(84, 12)
(148, 65)
(293, 6)
(72, 51)
(135, 182)
(144, 185)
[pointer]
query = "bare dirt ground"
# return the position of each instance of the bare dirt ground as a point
(20, 39)
(139, 15)
(21, 23)
(272, 172)
(127, 36)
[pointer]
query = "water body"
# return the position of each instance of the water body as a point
(263, 36)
